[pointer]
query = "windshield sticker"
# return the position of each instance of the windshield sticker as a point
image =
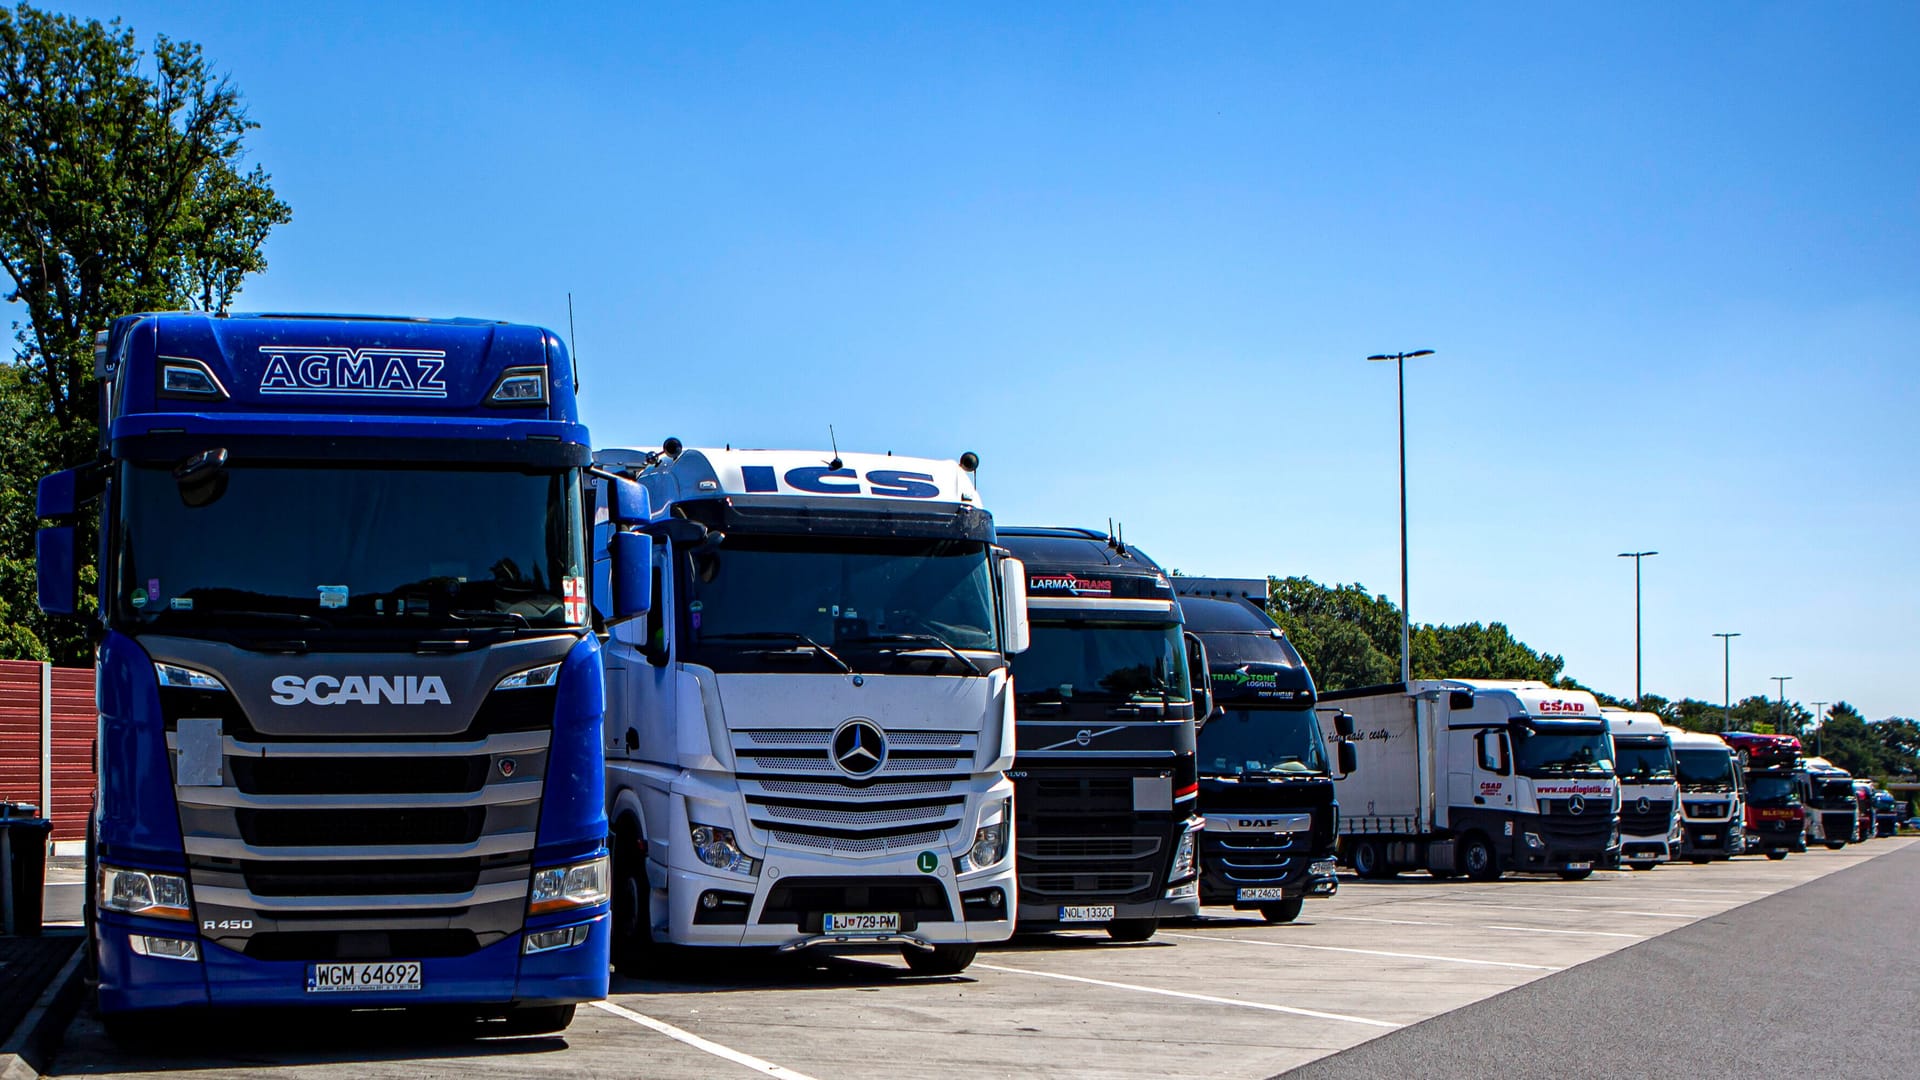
(153, 588)
(139, 598)
(333, 596)
(181, 603)
(574, 594)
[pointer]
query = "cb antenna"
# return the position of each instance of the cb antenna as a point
(832, 438)
(1121, 540)
(572, 346)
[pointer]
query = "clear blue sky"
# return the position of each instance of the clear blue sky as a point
(1133, 256)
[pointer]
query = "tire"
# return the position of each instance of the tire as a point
(939, 960)
(1641, 865)
(1699, 862)
(1836, 845)
(535, 1020)
(1479, 859)
(1132, 929)
(1776, 856)
(142, 1030)
(635, 952)
(89, 918)
(1575, 875)
(1369, 861)
(1285, 911)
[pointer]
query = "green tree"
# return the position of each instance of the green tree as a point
(1348, 636)
(123, 188)
(1900, 740)
(1473, 651)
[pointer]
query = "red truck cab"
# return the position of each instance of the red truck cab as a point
(1776, 820)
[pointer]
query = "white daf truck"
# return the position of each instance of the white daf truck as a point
(806, 740)
(1649, 794)
(1475, 776)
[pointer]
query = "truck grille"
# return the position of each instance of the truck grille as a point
(1253, 858)
(798, 797)
(1078, 835)
(1705, 810)
(1655, 822)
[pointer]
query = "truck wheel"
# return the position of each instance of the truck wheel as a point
(633, 944)
(1479, 859)
(1641, 865)
(1776, 856)
(535, 1020)
(939, 960)
(142, 1030)
(1285, 910)
(1369, 861)
(1576, 875)
(1836, 845)
(1132, 929)
(1700, 862)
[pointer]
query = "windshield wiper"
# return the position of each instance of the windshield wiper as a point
(498, 618)
(932, 639)
(294, 617)
(783, 635)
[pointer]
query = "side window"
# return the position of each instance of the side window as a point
(1493, 751)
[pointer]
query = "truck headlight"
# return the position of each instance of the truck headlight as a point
(142, 892)
(1183, 857)
(1533, 841)
(558, 888)
(989, 840)
(185, 678)
(717, 848)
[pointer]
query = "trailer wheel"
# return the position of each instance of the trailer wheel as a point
(1284, 911)
(1369, 861)
(939, 960)
(1479, 859)
(1132, 929)
(534, 1020)
(1776, 855)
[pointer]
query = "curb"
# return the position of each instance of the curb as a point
(31, 1044)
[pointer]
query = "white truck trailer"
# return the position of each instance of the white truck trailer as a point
(1475, 776)
(1649, 794)
(807, 739)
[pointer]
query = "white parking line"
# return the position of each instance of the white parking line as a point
(1192, 997)
(1598, 913)
(1366, 952)
(766, 1067)
(1582, 933)
(1392, 922)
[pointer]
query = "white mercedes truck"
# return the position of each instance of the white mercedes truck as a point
(1649, 794)
(1475, 776)
(807, 740)
(1713, 795)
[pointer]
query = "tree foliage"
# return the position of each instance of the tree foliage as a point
(123, 188)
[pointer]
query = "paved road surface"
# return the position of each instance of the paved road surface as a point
(1820, 980)
(1226, 996)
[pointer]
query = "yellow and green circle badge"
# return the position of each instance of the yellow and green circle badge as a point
(929, 862)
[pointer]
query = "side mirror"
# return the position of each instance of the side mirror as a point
(632, 573)
(58, 495)
(1013, 605)
(630, 505)
(1349, 758)
(1343, 724)
(1201, 675)
(56, 564)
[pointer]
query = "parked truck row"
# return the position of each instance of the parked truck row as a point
(408, 696)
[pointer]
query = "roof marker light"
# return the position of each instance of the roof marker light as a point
(184, 377)
(520, 386)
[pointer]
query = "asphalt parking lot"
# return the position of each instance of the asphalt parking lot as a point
(1226, 996)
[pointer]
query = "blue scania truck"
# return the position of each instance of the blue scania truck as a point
(350, 704)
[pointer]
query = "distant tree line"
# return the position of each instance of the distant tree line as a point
(1351, 637)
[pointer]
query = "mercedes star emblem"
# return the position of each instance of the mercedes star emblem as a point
(1577, 804)
(1642, 805)
(859, 748)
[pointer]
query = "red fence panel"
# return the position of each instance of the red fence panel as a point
(71, 763)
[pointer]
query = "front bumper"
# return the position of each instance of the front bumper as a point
(1711, 839)
(1645, 849)
(497, 975)
(1047, 916)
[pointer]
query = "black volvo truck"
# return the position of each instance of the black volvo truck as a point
(1266, 782)
(1105, 825)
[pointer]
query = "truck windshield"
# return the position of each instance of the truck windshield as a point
(1834, 793)
(1259, 742)
(1543, 753)
(1114, 663)
(1643, 762)
(1701, 770)
(758, 602)
(303, 548)
(1772, 791)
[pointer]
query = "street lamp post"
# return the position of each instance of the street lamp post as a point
(1636, 556)
(1406, 624)
(1781, 711)
(1819, 735)
(1726, 721)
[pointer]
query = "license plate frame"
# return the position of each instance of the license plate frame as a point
(1087, 913)
(367, 977)
(860, 922)
(1259, 893)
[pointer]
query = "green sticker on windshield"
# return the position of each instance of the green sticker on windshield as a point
(929, 862)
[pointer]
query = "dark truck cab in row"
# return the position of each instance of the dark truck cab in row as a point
(1266, 777)
(1776, 820)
